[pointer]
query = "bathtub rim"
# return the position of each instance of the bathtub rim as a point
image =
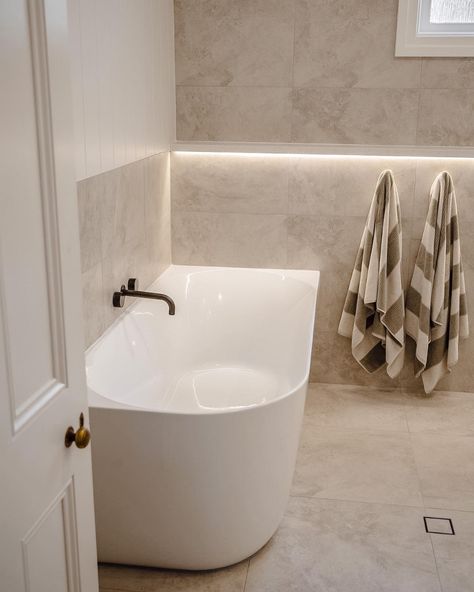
(99, 401)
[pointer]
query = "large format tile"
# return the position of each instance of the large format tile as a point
(461, 377)
(125, 261)
(88, 201)
(122, 202)
(136, 579)
(157, 216)
(332, 50)
(447, 73)
(253, 240)
(230, 183)
(332, 546)
(445, 465)
(248, 114)
(348, 407)
(462, 172)
(221, 48)
(327, 243)
(93, 304)
(446, 118)
(332, 292)
(354, 465)
(455, 554)
(443, 411)
(344, 186)
(354, 116)
(332, 361)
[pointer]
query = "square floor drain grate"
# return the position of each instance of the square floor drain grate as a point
(438, 525)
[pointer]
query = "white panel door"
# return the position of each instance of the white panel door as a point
(47, 536)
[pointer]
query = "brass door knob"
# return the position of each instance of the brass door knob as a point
(81, 438)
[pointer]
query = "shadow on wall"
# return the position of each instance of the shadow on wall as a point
(308, 212)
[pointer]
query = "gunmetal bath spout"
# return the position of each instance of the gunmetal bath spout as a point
(118, 299)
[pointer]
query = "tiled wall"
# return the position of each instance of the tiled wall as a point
(124, 217)
(312, 71)
(308, 212)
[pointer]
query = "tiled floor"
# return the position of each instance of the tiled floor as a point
(371, 464)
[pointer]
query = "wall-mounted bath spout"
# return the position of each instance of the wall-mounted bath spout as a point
(118, 299)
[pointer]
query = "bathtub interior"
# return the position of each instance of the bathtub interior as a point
(240, 338)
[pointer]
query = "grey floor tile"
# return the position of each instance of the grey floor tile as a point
(442, 412)
(136, 579)
(455, 554)
(357, 466)
(341, 407)
(329, 546)
(445, 465)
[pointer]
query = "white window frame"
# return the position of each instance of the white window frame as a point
(416, 36)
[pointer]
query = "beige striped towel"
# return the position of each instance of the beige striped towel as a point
(373, 314)
(436, 313)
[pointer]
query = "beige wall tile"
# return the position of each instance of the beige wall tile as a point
(122, 202)
(462, 172)
(329, 198)
(327, 243)
(227, 47)
(125, 232)
(335, 50)
(88, 198)
(234, 113)
(123, 263)
(93, 304)
(230, 183)
(354, 116)
(249, 46)
(446, 118)
(448, 73)
(202, 238)
(344, 186)
(331, 297)
(157, 216)
(333, 363)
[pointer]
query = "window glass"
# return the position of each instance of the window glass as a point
(452, 11)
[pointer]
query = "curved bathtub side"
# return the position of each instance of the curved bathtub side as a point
(192, 491)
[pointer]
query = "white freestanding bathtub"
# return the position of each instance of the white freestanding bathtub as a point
(196, 417)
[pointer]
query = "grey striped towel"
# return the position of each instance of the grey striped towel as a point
(436, 314)
(373, 314)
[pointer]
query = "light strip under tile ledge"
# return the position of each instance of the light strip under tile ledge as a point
(324, 150)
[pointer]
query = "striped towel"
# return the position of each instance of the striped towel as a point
(373, 312)
(436, 314)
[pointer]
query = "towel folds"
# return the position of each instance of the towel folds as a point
(436, 313)
(373, 315)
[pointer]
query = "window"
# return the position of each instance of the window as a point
(435, 28)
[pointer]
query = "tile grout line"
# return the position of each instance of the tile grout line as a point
(418, 477)
(292, 89)
(436, 562)
(353, 501)
(246, 574)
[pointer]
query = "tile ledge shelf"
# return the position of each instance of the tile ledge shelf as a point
(292, 149)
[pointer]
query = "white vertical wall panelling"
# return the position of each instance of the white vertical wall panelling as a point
(123, 81)
(90, 84)
(74, 20)
(106, 58)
